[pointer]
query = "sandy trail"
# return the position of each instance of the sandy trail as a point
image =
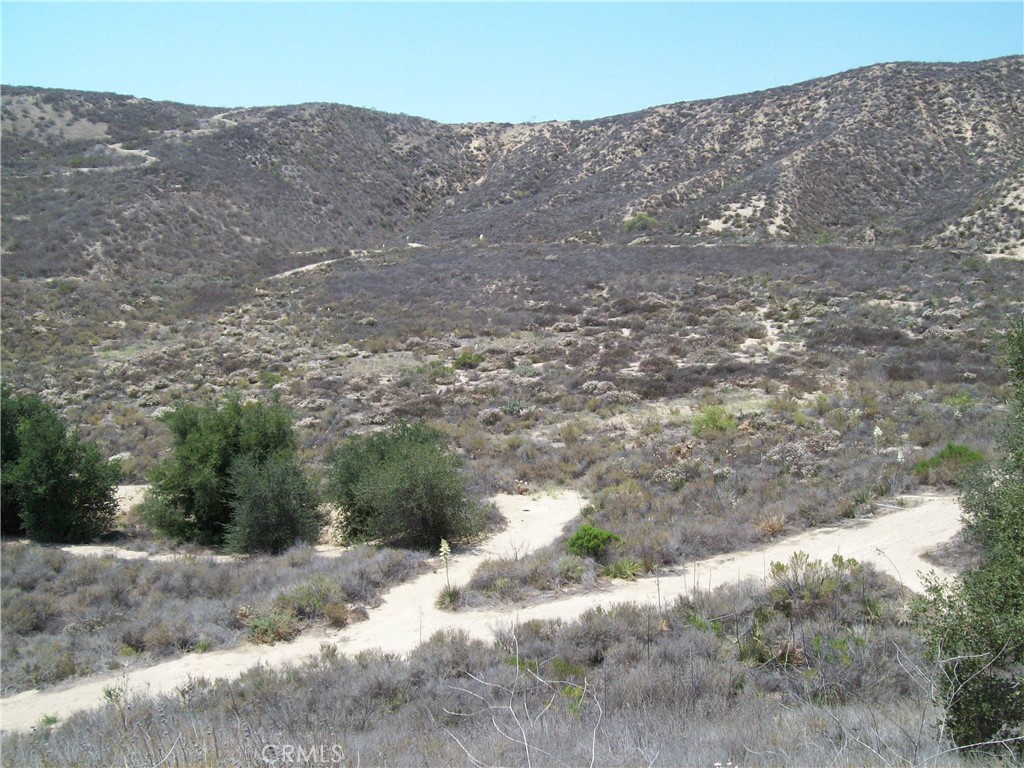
(128, 496)
(299, 270)
(532, 523)
(894, 541)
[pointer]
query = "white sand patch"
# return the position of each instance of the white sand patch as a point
(734, 213)
(100, 550)
(895, 542)
(1016, 253)
(109, 550)
(777, 223)
(128, 496)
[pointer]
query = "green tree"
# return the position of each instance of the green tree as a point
(55, 486)
(402, 485)
(273, 505)
(193, 493)
(14, 410)
(975, 627)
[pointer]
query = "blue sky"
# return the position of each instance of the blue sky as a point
(508, 62)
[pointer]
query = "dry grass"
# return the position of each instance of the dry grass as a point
(701, 682)
(65, 615)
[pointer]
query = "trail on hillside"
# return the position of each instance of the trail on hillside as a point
(299, 270)
(894, 541)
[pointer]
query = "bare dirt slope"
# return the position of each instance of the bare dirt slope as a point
(894, 541)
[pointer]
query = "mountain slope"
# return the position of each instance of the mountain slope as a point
(890, 153)
(895, 154)
(173, 189)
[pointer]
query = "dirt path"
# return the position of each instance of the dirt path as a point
(298, 270)
(128, 496)
(894, 541)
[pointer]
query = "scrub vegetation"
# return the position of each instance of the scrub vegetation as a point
(324, 336)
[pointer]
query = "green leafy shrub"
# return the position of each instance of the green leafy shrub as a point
(713, 418)
(467, 360)
(436, 372)
(194, 487)
(975, 625)
(945, 467)
(55, 486)
(962, 401)
(273, 506)
(590, 541)
(640, 222)
(14, 409)
(402, 485)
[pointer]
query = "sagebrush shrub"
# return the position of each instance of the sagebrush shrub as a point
(947, 465)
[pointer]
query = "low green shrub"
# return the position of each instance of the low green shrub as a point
(436, 372)
(269, 628)
(640, 222)
(627, 568)
(961, 401)
(713, 418)
(945, 467)
(467, 360)
(590, 541)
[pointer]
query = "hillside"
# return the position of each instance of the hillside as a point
(895, 154)
(139, 239)
(716, 330)
(890, 154)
